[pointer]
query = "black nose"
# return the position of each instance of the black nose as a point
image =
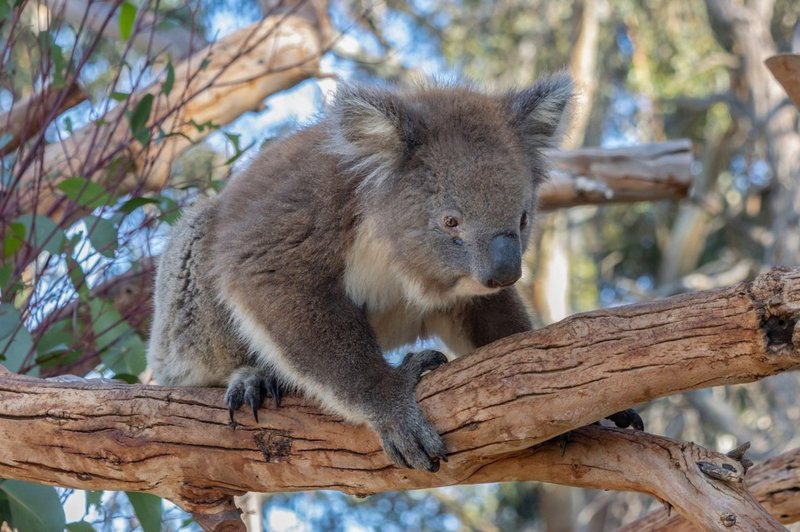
(505, 260)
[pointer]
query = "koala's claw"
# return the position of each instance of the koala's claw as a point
(251, 386)
(415, 364)
(627, 418)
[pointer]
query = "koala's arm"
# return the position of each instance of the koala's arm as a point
(322, 343)
(490, 318)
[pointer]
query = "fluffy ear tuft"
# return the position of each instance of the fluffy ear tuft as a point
(539, 111)
(372, 132)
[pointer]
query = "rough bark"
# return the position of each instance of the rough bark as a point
(214, 85)
(28, 116)
(775, 483)
(500, 400)
(640, 173)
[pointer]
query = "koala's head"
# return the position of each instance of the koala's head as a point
(449, 176)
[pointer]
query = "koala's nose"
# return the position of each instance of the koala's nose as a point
(505, 257)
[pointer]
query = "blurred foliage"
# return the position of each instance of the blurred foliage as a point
(663, 71)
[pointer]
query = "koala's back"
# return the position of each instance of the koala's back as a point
(193, 341)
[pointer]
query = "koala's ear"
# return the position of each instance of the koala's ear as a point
(374, 130)
(538, 111)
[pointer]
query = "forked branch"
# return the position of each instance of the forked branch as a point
(492, 406)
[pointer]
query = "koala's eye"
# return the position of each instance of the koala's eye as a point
(450, 222)
(523, 222)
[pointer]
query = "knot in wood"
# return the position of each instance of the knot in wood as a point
(721, 472)
(275, 445)
(728, 519)
(779, 330)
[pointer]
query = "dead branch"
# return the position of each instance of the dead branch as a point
(774, 483)
(640, 173)
(786, 69)
(499, 400)
(213, 86)
(28, 116)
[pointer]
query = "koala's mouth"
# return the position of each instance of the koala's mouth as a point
(469, 286)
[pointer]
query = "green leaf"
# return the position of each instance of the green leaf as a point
(166, 88)
(80, 526)
(15, 349)
(123, 351)
(127, 16)
(78, 278)
(141, 113)
(10, 319)
(134, 203)
(42, 233)
(5, 10)
(170, 212)
(102, 235)
(68, 124)
(93, 498)
(34, 507)
(5, 274)
(84, 192)
(127, 377)
(15, 238)
(148, 510)
(120, 96)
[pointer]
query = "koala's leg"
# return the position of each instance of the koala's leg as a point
(486, 319)
(322, 344)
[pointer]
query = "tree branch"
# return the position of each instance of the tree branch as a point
(213, 86)
(640, 173)
(27, 117)
(774, 483)
(499, 400)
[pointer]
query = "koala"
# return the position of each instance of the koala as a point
(401, 215)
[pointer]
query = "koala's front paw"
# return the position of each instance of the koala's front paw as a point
(407, 437)
(411, 441)
(251, 385)
(415, 364)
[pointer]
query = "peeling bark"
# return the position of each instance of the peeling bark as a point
(500, 400)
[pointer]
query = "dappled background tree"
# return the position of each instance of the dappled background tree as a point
(109, 128)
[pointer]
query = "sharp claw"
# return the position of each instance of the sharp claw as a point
(443, 458)
(434, 467)
(230, 414)
(563, 440)
(255, 412)
(275, 390)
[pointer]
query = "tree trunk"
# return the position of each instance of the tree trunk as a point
(491, 406)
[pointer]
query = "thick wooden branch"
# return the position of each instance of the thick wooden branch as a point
(28, 116)
(212, 86)
(500, 400)
(648, 172)
(775, 483)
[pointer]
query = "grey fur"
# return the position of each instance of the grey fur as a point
(334, 246)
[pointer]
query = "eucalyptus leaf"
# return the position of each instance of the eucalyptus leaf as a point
(148, 510)
(102, 234)
(33, 506)
(42, 233)
(84, 192)
(127, 16)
